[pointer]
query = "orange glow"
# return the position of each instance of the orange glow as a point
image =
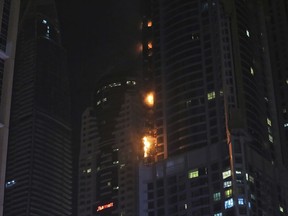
(102, 207)
(149, 23)
(149, 99)
(147, 141)
(150, 45)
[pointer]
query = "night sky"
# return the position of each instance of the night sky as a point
(98, 36)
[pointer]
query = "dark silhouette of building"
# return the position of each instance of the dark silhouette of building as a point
(38, 173)
(110, 148)
(9, 12)
(220, 83)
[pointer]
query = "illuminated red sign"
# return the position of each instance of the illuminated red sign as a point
(102, 207)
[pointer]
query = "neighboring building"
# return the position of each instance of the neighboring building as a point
(111, 148)
(9, 13)
(277, 22)
(217, 110)
(39, 166)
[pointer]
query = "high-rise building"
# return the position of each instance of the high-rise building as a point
(220, 85)
(110, 150)
(38, 172)
(9, 11)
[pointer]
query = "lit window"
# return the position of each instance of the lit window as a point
(270, 138)
(89, 170)
(229, 203)
(44, 21)
(128, 82)
(247, 176)
(149, 23)
(286, 125)
(193, 174)
(251, 71)
(217, 196)
(251, 179)
(226, 174)
(116, 188)
(253, 197)
(247, 33)
(227, 184)
(195, 36)
(287, 81)
(104, 99)
(211, 95)
(269, 122)
(284, 110)
(98, 102)
(150, 45)
(109, 183)
(10, 183)
(281, 209)
(218, 214)
(133, 82)
(228, 193)
(185, 206)
(240, 201)
(238, 172)
(115, 162)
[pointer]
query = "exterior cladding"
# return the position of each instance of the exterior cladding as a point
(216, 110)
(39, 166)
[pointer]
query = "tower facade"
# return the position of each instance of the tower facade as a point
(9, 13)
(110, 150)
(219, 150)
(38, 173)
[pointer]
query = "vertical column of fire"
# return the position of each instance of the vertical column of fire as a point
(149, 137)
(149, 134)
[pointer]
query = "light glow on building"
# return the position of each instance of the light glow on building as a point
(102, 207)
(149, 99)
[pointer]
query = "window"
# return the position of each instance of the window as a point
(286, 125)
(270, 138)
(211, 95)
(227, 184)
(193, 174)
(226, 174)
(218, 214)
(229, 203)
(217, 196)
(240, 201)
(281, 209)
(89, 170)
(269, 122)
(228, 193)
(251, 71)
(247, 33)
(150, 45)
(149, 23)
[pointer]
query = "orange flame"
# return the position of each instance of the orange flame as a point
(149, 99)
(147, 141)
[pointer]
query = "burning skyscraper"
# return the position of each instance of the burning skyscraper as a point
(221, 123)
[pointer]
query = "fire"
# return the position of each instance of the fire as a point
(147, 141)
(149, 99)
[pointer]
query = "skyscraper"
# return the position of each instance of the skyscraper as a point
(220, 118)
(9, 11)
(38, 173)
(110, 149)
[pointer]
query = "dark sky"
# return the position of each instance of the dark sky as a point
(98, 35)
